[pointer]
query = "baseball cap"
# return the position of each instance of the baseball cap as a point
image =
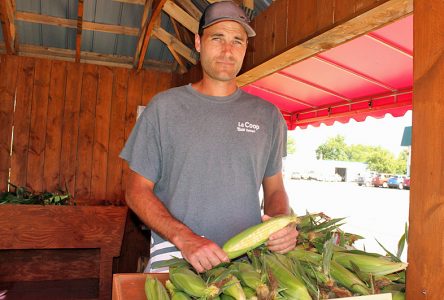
(225, 11)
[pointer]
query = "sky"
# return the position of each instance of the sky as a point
(385, 132)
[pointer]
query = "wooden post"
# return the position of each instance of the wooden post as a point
(426, 233)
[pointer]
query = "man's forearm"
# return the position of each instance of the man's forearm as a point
(156, 216)
(276, 204)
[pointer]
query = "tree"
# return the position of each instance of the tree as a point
(378, 159)
(291, 145)
(334, 149)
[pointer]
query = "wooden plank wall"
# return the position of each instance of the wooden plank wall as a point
(287, 23)
(70, 123)
(425, 276)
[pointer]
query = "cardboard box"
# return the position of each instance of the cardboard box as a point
(132, 287)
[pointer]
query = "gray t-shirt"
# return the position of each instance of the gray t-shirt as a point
(207, 156)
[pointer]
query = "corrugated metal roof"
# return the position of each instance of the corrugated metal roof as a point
(111, 12)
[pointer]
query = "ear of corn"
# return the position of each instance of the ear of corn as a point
(233, 288)
(154, 289)
(250, 294)
(255, 235)
(175, 293)
(293, 287)
(250, 278)
(369, 263)
(347, 279)
(186, 280)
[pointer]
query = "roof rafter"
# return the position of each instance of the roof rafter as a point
(181, 16)
(177, 45)
(50, 20)
(8, 27)
(144, 37)
(79, 29)
(86, 57)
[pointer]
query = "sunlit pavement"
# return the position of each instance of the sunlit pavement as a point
(374, 213)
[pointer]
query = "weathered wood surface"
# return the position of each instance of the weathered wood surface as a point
(425, 276)
(70, 124)
(34, 227)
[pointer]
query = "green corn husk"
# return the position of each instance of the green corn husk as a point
(256, 235)
(186, 280)
(250, 278)
(250, 294)
(340, 274)
(292, 286)
(175, 293)
(225, 297)
(154, 289)
(347, 279)
(368, 263)
(231, 285)
(398, 296)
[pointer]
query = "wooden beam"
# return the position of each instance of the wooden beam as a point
(137, 2)
(143, 27)
(425, 277)
(249, 4)
(8, 27)
(377, 17)
(79, 29)
(177, 45)
(140, 56)
(189, 6)
(87, 57)
(181, 16)
(182, 66)
(55, 21)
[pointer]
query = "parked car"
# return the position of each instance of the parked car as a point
(296, 175)
(406, 183)
(380, 180)
(396, 181)
(365, 179)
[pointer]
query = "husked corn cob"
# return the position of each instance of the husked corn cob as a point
(368, 263)
(293, 287)
(154, 289)
(255, 235)
(186, 280)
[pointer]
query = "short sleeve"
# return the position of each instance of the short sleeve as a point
(142, 150)
(278, 146)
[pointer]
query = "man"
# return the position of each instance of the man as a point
(199, 154)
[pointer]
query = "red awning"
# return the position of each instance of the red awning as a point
(369, 76)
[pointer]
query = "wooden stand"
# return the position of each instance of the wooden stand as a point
(60, 243)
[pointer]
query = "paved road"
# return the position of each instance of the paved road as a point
(374, 213)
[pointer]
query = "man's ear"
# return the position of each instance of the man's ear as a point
(197, 42)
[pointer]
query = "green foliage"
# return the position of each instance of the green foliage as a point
(21, 195)
(378, 159)
(334, 149)
(291, 145)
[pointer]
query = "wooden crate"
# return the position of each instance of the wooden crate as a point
(131, 287)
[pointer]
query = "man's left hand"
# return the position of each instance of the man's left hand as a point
(283, 240)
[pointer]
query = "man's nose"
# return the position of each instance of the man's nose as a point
(227, 47)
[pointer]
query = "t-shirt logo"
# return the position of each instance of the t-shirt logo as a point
(247, 127)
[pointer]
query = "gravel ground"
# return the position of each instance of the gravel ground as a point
(374, 213)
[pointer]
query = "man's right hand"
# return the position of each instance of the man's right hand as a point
(203, 254)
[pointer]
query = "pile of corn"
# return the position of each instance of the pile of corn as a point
(324, 265)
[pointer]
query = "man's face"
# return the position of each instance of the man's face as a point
(222, 49)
